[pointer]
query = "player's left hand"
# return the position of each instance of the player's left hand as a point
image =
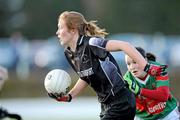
(155, 70)
(61, 97)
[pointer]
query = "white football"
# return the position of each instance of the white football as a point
(57, 81)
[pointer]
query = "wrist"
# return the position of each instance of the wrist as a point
(69, 97)
(65, 98)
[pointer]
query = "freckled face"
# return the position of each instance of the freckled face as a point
(134, 68)
(64, 34)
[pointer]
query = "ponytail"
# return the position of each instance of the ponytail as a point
(76, 20)
(91, 29)
(150, 57)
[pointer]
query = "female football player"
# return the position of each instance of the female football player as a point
(154, 100)
(89, 55)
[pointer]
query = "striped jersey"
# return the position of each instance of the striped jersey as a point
(149, 109)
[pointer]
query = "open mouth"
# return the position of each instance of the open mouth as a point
(134, 72)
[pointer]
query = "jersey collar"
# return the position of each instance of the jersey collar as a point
(80, 40)
(143, 81)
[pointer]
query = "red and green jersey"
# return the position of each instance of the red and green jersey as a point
(147, 108)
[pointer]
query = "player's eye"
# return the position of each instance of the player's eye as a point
(128, 63)
(134, 62)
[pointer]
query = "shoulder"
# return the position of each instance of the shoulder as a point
(97, 41)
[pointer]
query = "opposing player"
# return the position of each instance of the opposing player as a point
(3, 112)
(89, 55)
(154, 100)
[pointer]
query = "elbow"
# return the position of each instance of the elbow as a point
(125, 46)
(164, 93)
(165, 97)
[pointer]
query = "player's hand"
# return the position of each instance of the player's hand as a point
(61, 97)
(155, 70)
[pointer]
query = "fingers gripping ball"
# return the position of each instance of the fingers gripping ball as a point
(57, 81)
(60, 97)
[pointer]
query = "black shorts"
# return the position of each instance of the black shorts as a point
(122, 106)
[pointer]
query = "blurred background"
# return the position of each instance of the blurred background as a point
(29, 48)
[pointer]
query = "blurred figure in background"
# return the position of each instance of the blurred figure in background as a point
(3, 112)
(21, 49)
(154, 100)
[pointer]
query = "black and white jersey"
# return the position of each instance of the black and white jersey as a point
(96, 66)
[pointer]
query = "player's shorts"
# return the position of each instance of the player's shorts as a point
(119, 107)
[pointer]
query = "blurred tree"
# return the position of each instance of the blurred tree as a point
(43, 15)
(37, 19)
(142, 16)
(3, 17)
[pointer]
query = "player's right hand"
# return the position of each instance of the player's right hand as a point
(61, 97)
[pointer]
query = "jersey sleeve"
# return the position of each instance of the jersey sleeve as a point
(97, 46)
(161, 93)
(163, 79)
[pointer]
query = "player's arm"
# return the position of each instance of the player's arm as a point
(100, 47)
(114, 45)
(161, 93)
(78, 87)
